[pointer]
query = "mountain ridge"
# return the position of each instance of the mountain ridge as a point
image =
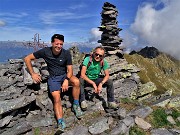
(160, 68)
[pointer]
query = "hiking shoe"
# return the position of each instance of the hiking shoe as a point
(113, 105)
(61, 127)
(77, 111)
(84, 105)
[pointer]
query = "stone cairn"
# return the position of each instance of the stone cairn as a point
(109, 26)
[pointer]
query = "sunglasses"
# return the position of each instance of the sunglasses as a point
(96, 54)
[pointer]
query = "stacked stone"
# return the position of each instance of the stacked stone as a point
(109, 26)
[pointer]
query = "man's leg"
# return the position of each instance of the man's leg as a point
(57, 104)
(110, 90)
(54, 84)
(76, 89)
(82, 92)
(75, 93)
(58, 110)
(110, 94)
(82, 95)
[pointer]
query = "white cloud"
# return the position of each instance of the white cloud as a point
(95, 35)
(2, 23)
(159, 27)
(78, 6)
(49, 17)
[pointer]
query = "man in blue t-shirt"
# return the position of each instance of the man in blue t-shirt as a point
(90, 76)
(60, 68)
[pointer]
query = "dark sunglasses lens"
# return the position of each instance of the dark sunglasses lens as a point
(98, 55)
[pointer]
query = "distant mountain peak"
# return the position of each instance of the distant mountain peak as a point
(148, 52)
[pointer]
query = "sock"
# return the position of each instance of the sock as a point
(60, 120)
(76, 102)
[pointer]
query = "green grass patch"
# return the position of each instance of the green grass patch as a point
(125, 100)
(136, 131)
(37, 131)
(175, 114)
(159, 118)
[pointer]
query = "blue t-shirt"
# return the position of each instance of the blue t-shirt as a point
(56, 63)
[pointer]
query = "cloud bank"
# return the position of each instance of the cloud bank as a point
(158, 25)
(2, 23)
(95, 35)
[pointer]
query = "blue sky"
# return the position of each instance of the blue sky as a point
(144, 22)
(21, 19)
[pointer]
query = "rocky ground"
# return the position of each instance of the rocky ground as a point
(26, 108)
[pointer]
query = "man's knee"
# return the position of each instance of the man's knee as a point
(75, 81)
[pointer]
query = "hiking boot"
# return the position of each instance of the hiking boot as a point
(84, 105)
(113, 105)
(61, 127)
(77, 111)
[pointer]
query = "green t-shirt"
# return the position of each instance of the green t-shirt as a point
(94, 69)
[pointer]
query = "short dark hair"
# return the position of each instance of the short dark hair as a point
(58, 36)
(99, 47)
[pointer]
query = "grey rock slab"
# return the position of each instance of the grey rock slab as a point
(41, 122)
(80, 130)
(129, 121)
(121, 112)
(5, 121)
(120, 129)
(141, 111)
(18, 129)
(160, 131)
(171, 120)
(142, 123)
(175, 131)
(9, 105)
(99, 126)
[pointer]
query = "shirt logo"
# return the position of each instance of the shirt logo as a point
(60, 60)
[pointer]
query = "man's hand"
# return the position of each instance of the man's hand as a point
(65, 85)
(95, 87)
(36, 77)
(99, 88)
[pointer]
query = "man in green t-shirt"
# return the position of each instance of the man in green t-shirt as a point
(90, 76)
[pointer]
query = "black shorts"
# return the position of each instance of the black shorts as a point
(55, 82)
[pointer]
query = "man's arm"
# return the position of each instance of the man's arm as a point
(36, 77)
(106, 77)
(83, 76)
(69, 71)
(68, 77)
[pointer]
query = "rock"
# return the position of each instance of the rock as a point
(129, 121)
(6, 106)
(162, 102)
(145, 89)
(99, 126)
(121, 128)
(174, 102)
(5, 121)
(160, 131)
(79, 130)
(19, 128)
(171, 120)
(141, 111)
(142, 124)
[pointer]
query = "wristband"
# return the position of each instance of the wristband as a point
(67, 78)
